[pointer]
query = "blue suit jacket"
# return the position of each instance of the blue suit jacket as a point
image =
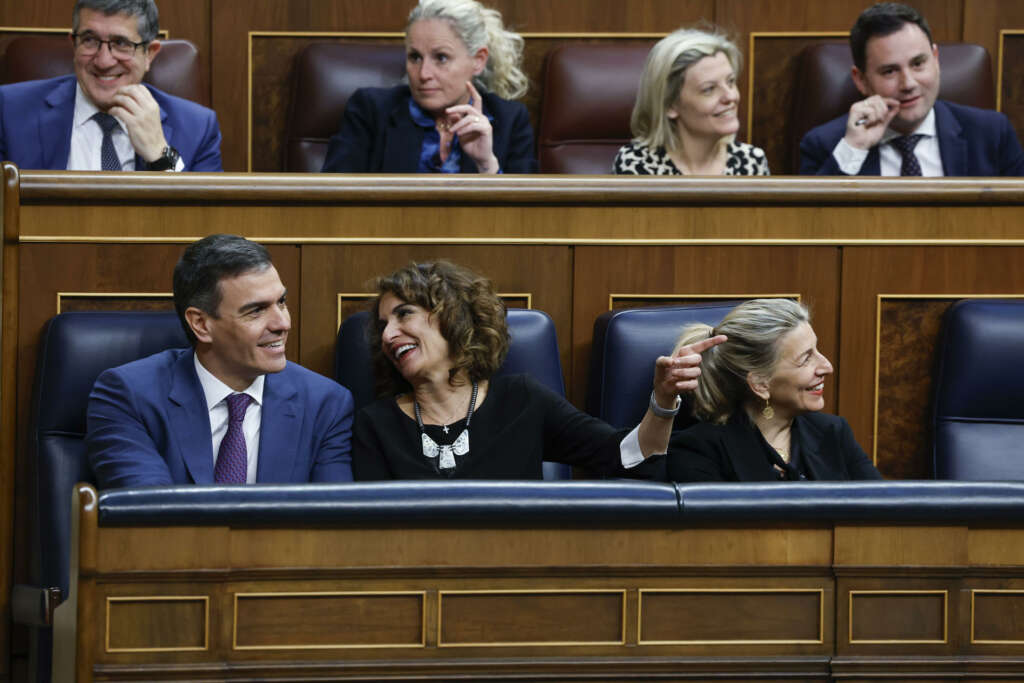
(36, 119)
(378, 135)
(148, 425)
(972, 142)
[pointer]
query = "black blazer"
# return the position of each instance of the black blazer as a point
(735, 451)
(378, 135)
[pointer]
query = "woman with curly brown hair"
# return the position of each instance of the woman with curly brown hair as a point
(442, 336)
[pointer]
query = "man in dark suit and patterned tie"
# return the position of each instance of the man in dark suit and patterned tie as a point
(104, 118)
(231, 409)
(900, 128)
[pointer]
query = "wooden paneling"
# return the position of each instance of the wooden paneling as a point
(307, 621)
(157, 624)
(551, 618)
(873, 272)
(543, 272)
(778, 616)
(812, 272)
(871, 612)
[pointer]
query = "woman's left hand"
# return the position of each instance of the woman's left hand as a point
(476, 137)
(679, 372)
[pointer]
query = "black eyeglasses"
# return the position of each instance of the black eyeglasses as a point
(119, 46)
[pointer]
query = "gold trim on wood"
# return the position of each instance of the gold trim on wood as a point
(305, 594)
(945, 617)
(526, 591)
(110, 295)
(999, 64)
(613, 297)
(781, 641)
(159, 598)
(975, 591)
(878, 345)
(752, 55)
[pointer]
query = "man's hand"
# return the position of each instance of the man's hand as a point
(868, 120)
(138, 111)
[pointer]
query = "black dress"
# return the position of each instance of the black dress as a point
(822, 448)
(519, 425)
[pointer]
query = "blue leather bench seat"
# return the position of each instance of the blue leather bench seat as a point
(575, 503)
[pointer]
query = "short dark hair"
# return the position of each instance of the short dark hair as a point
(143, 10)
(470, 314)
(204, 264)
(882, 19)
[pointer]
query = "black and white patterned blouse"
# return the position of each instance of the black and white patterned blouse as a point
(639, 159)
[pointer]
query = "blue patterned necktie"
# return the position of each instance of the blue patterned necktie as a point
(905, 146)
(232, 462)
(108, 155)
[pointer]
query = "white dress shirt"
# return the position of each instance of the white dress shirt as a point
(87, 139)
(850, 159)
(216, 394)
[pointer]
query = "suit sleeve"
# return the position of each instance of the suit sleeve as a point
(520, 158)
(858, 464)
(333, 461)
(816, 156)
(350, 149)
(207, 155)
(120, 449)
(693, 457)
(368, 461)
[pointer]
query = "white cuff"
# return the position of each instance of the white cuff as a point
(849, 158)
(629, 449)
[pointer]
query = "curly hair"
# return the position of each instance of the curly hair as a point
(755, 329)
(470, 314)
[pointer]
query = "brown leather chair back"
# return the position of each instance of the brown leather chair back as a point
(175, 69)
(825, 89)
(326, 75)
(589, 92)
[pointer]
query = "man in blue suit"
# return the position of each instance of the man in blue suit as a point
(103, 117)
(231, 409)
(900, 128)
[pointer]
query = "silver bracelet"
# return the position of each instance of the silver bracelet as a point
(665, 412)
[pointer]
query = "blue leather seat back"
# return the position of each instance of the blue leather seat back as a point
(533, 351)
(75, 349)
(626, 344)
(979, 392)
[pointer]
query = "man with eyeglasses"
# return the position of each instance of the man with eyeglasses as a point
(103, 118)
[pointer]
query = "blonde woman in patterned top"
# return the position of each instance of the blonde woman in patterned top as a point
(686, 113)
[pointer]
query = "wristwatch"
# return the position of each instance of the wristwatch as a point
(167, 161)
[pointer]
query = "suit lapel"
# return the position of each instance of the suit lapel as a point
(406, 139)
(281, 417)
(952, 146)
(873, 164)
(55, 122)
(814, 442)
(190, 420)
(743, 444)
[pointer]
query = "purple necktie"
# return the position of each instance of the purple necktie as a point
(905, 146)
(108, 155)
(231, 459)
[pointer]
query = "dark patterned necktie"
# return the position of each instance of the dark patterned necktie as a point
(108, 155)
(231, 459)
(905, 146)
